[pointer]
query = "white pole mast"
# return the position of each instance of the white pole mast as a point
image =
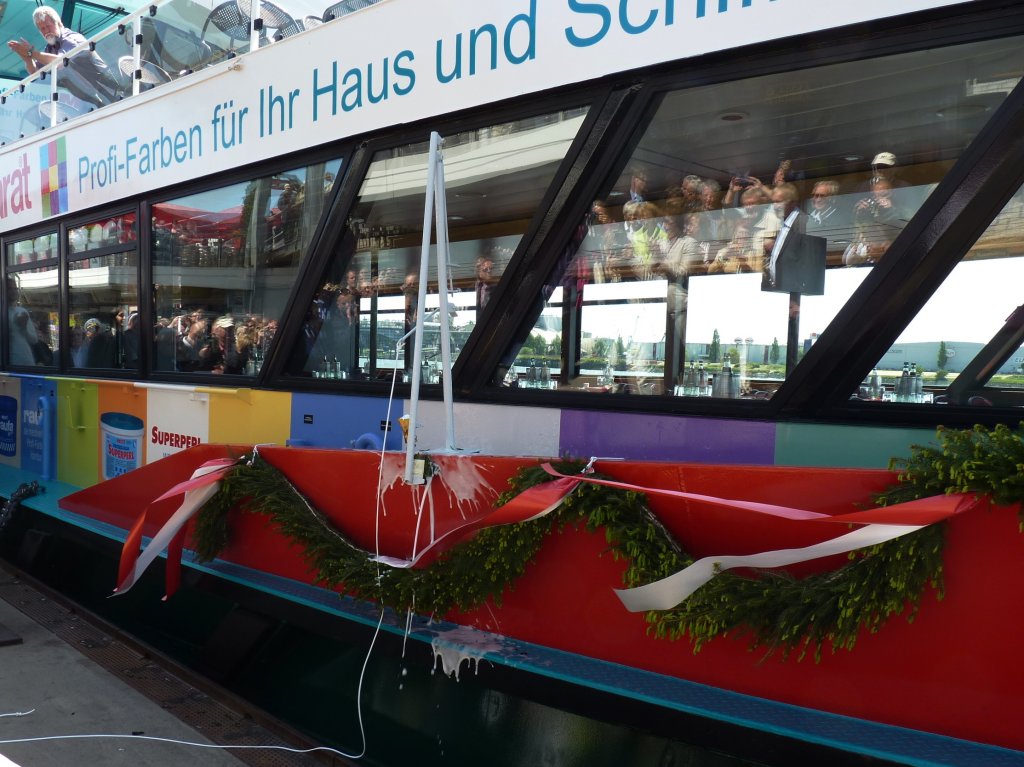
(433, 206)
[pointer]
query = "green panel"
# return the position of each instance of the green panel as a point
(862, 447)
(78, 432)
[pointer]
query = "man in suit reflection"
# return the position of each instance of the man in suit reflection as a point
(484, 281)
(790, 221)
(794, 262)
(338, 340)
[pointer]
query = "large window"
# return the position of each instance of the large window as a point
(965, 345)
(103, 292)
(745, 216)
(367, 299)
(33, 301)
(224, 262)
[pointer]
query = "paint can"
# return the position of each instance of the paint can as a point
(122, 443)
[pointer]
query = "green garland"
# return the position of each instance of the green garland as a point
(777, 611)
(978, 460)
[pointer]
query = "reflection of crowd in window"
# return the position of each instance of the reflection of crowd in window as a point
(655, 227)
(735, 231)
(202, 341)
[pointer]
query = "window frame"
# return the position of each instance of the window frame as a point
(590, 97)
(9, 272)
(817, 392)
(65, 364)
(343, 151)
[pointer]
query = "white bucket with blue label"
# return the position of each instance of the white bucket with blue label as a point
(122, 443)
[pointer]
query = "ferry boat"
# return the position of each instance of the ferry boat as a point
(410, 280)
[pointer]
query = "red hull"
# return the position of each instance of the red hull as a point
(955, 670)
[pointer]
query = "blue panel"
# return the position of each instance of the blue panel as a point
(39, 426)
(329, 420)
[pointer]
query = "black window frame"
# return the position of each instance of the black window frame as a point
(66, 259)
(814, 391)
(8, 273)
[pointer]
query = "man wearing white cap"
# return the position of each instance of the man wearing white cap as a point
(883, 166)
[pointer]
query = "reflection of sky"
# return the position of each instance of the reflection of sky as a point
(970, 306)
(735, 305)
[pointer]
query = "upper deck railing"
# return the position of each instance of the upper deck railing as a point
(151, 47)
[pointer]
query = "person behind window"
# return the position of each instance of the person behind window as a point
(131, 341)
(713, 225)
(638, 185)
(22, 334)
(691, 187)
(877, 221)
(737, 186)
(334, 352)
(224, 356)
(484, 281)
(787, 220)
(165, 343)
(884, 167)
(738, 255)
(77, 346)
(99, 345)
(823, 213)
(41, 351)
(645, 237)
(604, 242)
(756, 210)
(783, 173)
(682, 256)
(193, 350)
(117, 328)
(87, 77)
(290, 205)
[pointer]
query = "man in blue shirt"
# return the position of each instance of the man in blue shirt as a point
(87, 76)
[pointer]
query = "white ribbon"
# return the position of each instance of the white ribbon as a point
(193, 501)
(669, 592)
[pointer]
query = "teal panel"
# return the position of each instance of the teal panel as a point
(861, 447)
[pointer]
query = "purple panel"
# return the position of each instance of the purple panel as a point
(666, 438)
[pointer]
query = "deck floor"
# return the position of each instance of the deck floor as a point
(77, 679)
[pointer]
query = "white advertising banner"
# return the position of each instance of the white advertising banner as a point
(175, 421)
(396, 62)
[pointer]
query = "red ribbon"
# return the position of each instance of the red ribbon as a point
(923, 511)
(128, 573)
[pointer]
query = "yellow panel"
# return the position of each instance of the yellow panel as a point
(77, 432)
(248, 416)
